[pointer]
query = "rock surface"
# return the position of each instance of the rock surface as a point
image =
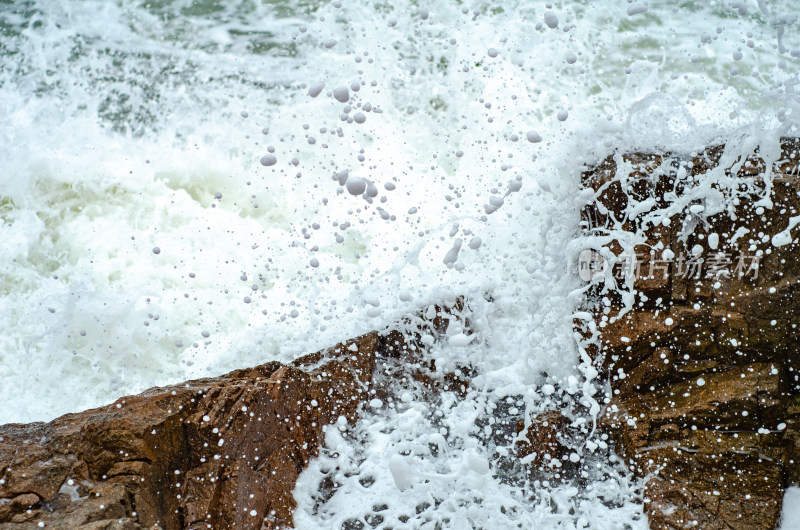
(212, 453)
(704, 365)
(222, 452)
(541, 442)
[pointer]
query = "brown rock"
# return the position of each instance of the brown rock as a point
(704, 368)
(222, 452)
(212, 453)
(542, 439)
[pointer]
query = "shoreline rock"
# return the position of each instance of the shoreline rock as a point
(703, 368)
(210, 453)
(218, 452)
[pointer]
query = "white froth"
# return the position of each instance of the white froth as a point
(123, 131)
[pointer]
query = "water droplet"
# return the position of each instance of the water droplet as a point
(315, 90)
(356, 186)
(341, 93)
(636, 9)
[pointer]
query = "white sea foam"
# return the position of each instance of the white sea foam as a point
(127, 126)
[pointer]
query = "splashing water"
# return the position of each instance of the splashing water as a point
(193, 187)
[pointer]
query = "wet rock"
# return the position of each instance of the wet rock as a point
(403, 352)
(222, 452)
(542, 445)
(703, 365)
(213, 453)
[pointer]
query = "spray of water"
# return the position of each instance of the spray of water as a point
(191, 187)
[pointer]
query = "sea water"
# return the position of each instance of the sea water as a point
(189, 187)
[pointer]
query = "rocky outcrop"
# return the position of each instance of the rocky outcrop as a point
(223, 452)
(704, 364)
(212, 453)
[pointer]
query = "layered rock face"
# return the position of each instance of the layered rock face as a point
(213, 453)
(704, 364)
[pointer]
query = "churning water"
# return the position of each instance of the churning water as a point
(189, 187)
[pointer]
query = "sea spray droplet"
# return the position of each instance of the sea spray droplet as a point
(330, 43)
(635, 9)
(341, 176)
(478, 463)
(533, 137)
(571, 58)
(492, 52)
(359, 117)
(551, 20)
(314, 262)
(452, 254)
(356, 186)
(495, 202)
(459, 340)
(341, 93)
(475, 243)
(156, 250)
(562, 115)
(268, 160)
(401, 472)
(315, 90)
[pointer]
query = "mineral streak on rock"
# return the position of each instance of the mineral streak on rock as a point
(703, 370)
